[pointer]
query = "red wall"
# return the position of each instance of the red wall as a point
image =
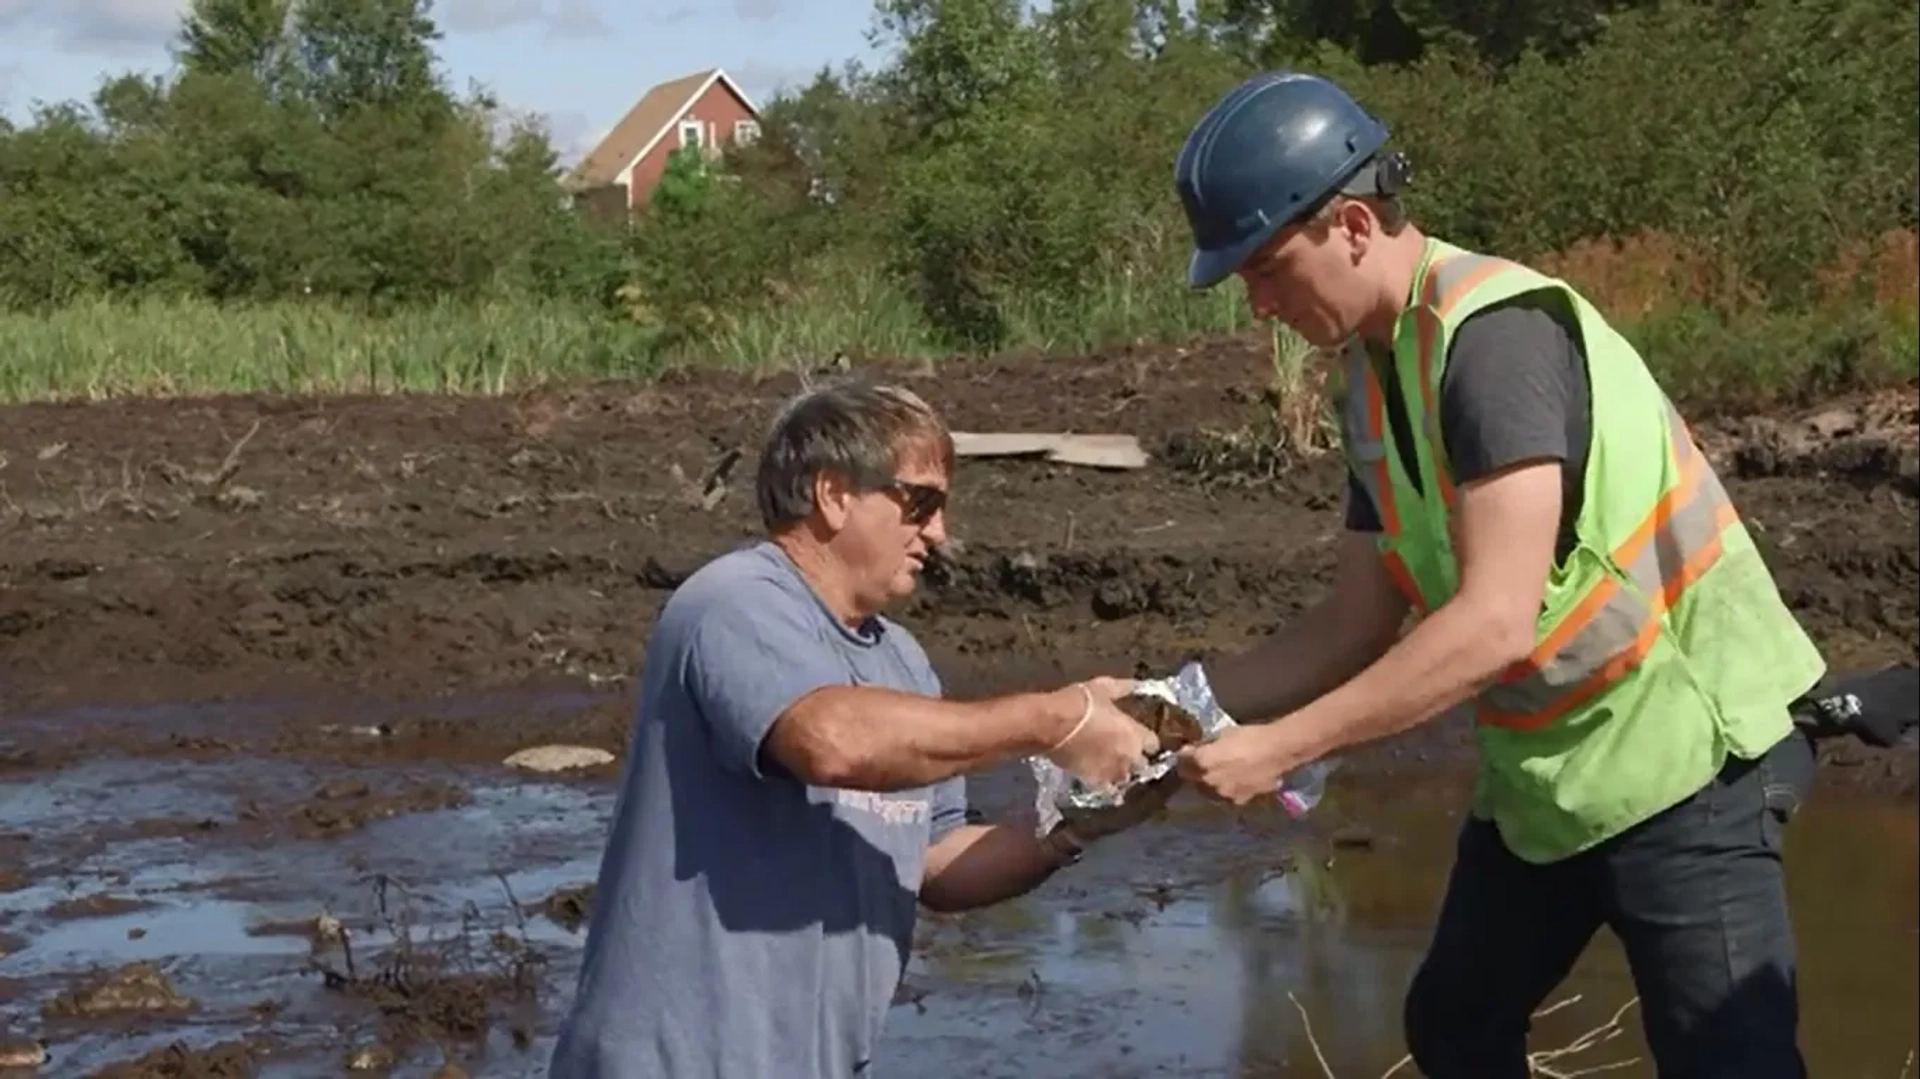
(717, 109)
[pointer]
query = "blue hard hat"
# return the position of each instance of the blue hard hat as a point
(1270, 150)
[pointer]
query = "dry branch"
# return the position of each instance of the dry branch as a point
(1541, 1063)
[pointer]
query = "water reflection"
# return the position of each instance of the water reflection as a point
(1171, 950)
(1201, 987)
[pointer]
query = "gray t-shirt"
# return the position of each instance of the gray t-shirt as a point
(1515, 387)
(745, 923)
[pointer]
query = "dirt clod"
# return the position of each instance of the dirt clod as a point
(346, 806)
(569, 908)
(178, 1060)
(99, 905)
(137, 988)
(369, 1058)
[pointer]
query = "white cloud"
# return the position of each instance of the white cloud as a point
(673, 16)
(129, 27)
(571, 135)
(756, 10)
(107, 27)
(570, 18)
(763, 80)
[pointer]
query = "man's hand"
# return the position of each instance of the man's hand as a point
(1140, 803)
(1243, 763)
(1107, 746)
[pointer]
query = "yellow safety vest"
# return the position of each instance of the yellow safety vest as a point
(1662, 643)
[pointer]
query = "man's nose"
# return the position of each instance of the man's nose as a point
(935, 530)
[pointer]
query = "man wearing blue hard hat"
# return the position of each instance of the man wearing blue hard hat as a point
(1581, 585)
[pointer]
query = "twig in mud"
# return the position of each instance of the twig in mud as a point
(1908, 1066)
(1607, 1031)
(1539, 1063)
(231, 463)
(1551, 1008)
(445, 987)
(1325, 1068)
(513, 903)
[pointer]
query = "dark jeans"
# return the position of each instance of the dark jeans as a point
(1696, 897)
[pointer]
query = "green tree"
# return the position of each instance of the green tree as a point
(238, 37)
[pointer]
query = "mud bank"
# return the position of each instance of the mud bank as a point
(345, 563)
(260, 658)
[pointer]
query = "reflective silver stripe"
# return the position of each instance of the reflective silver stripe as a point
(1442, 279)
(1615, 638)
(1449, 272)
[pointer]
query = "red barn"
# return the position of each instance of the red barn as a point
(705, 109)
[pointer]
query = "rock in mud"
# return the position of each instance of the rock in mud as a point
(558, 758)
(178, 1060)
(369, 1058)
(569, 908)
(135, 989)
(22, 1053)
(347, 805)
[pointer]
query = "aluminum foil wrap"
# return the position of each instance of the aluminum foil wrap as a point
(1180, 708)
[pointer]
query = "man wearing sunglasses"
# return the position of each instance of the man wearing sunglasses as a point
(793, 791)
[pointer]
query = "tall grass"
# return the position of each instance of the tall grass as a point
(102, 348)
(1711, 340)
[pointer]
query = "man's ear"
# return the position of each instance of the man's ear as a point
(1354, 219)
(832, 499)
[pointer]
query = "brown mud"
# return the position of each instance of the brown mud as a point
(257, 655)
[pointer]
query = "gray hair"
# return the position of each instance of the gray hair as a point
(861, 430)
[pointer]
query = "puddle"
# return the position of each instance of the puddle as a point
(1180, 948)
(1202, 986)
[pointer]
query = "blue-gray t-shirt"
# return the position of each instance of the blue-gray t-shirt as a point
(746, 924)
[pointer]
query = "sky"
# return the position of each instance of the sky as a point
(581, 63)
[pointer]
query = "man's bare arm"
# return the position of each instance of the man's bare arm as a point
(869, 738)
(1508, 524)
(977, 865)
(1353, 625)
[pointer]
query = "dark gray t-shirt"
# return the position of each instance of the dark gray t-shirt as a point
(746, 923)
(1515, 387)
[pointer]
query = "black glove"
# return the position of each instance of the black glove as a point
(1877, 708)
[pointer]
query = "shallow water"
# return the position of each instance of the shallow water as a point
(1170, 951)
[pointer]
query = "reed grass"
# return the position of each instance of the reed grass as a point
(1709, 340)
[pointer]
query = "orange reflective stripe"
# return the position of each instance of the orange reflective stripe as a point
(1381, 489)
(1426, 331)
(1402, 578)
(1445, 284)
(1611, 630)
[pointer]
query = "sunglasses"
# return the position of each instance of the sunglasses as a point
(918, 501)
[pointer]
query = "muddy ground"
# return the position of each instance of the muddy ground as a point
(373, 601)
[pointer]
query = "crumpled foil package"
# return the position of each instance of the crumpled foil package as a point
(1180, 709)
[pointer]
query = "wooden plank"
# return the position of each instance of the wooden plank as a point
(1092, 451)
(1100, 451)
(1003, 444)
